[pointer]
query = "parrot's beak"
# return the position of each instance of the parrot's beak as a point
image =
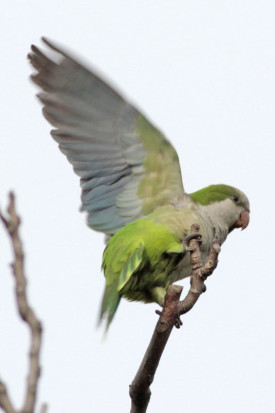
(243, 220)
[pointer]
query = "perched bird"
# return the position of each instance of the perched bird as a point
(131, 183)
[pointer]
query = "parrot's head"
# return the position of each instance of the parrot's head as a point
(228, 205)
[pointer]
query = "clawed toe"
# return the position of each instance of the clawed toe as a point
(178, 322)
(194, 235)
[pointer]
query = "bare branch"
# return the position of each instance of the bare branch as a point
(169, 317)
(140, 388)
(12, 223)
(44, 408)
(5, 401)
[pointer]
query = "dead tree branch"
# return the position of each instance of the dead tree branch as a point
(169, 317)
(12, 222)
(140, 388)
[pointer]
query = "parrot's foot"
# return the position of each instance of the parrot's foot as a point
(188, 238)
(178, 322)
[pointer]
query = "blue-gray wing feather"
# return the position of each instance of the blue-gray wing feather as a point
(95, 128)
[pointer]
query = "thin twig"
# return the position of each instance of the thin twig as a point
(199, 272)
(169, 317)
(12, 223)
(5, 401)
(44, 408)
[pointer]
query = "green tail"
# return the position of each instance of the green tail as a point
(109, 305)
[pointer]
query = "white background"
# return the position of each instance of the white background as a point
(203, 71)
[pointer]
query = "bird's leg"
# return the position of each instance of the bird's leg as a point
(158, 295)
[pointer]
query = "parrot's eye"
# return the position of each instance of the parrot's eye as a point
(235, 198)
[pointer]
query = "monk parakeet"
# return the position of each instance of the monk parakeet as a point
(131, 183)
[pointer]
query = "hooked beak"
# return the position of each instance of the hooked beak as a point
(243, 220)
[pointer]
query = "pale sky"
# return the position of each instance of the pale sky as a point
(203, 72)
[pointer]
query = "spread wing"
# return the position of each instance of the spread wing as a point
(126, 166)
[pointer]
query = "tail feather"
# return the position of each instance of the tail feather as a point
(110, 302)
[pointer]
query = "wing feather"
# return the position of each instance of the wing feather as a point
(126, 166)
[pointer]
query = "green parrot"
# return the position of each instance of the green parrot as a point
(131, 183)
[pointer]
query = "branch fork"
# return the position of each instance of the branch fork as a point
(140, 392)
(12, 222)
